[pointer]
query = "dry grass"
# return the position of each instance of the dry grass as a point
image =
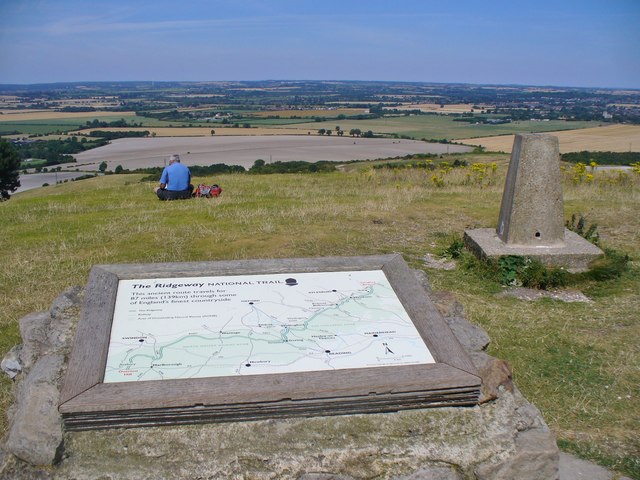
(576, 362)
(611, 138)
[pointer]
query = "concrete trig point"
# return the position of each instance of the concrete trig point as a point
(531, 221)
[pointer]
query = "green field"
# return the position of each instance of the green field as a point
(33, 163)
(267, 122)
(37, 127)
(577, 362)
(415, 126)
(444, 127)
(62, 125)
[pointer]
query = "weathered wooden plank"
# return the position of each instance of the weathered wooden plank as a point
(289, 405)
(285, 409)
(248, 389)
(249, 267)
(89, 354)
(440, 340)
(279, 411)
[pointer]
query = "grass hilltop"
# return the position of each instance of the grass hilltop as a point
(577, 362)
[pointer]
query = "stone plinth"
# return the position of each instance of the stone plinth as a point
(574, 254)
(503, 438)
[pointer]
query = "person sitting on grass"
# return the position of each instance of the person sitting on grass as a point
(175, 182)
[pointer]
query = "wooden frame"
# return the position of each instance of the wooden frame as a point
(86, 402)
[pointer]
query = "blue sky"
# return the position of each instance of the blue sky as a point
(587, 43)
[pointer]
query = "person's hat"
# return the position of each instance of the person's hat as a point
(174, 158)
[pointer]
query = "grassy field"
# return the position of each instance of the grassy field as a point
(442, 126)
(206, 131)
(42, 123)
(48, 115)
(577, 362)
(257, 121)
(333, 112)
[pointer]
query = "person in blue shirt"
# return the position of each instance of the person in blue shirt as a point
(175, 182)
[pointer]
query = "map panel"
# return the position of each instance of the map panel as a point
(195, 327)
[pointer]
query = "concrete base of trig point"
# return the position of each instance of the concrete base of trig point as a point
(531, 220)
(574, 254)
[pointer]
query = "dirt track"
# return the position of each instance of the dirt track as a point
(134, 153)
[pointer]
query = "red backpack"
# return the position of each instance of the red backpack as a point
(207, 191)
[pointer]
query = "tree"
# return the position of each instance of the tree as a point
(321, 131)
(119, 169)
(103, 167)
(9, 173)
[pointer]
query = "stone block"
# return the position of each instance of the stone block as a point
(64, 311)
(11, 364)
(433, 473)
(575, 254)
(34, 329)
(574, 468)
(535, 458)
(36, 432)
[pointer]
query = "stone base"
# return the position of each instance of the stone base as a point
(502, 438)
(575, 255)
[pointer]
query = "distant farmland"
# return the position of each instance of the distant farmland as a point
(46, 122)
(280, 122)
(30, 115)
(441, 126)
(611, 138)
(325, 112)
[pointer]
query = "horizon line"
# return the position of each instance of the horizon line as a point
(425, 82)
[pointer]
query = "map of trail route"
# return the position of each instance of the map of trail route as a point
(195, 327)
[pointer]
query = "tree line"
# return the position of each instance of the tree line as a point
(601, 158)
(55, 152)
(108, 135)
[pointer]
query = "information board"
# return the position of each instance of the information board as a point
(194, 327)
(226, 341)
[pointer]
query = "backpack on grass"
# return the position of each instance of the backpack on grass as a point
(207, 191)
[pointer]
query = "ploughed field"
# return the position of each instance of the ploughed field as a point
(134, 153)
